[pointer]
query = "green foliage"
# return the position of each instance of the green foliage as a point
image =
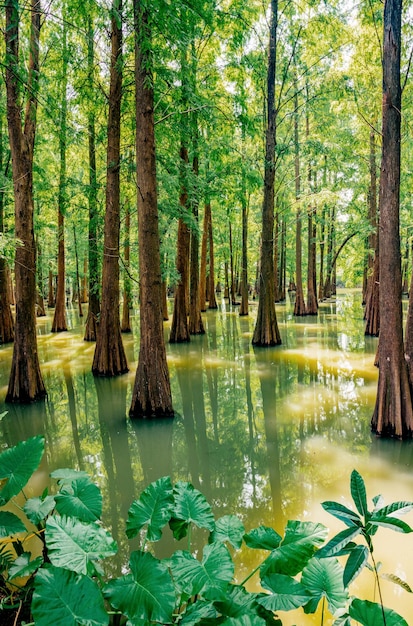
(63, 579)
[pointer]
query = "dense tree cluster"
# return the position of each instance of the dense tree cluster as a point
(245, 136)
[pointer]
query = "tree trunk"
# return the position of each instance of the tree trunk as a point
(127, 295)
(79, 299)
(94, 300)
(266, 331)
(202, 275)
(59, 320)
(244, 253)
(372, 294)
(312, 304)
(109, 358)
(328, 284)
(50, 297)
(25, 383)
(393, 412)
(6, 318)
(299, 305)
(179, 327)
(212, 302)
(152, 391)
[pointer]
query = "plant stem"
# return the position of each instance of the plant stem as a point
(322, 610)
(378, 586)
(251, 574)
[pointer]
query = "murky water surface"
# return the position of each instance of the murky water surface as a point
(267, 434)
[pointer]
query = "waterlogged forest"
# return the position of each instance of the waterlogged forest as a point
(205, 267)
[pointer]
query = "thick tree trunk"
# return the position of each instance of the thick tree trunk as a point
(25, 383)
(393, 413)
(266, 331)
(109, 358)
(94, 299)
(152, 391)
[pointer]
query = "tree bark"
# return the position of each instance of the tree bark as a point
(266, 331)
(393, 412)
(212, 301)
(203, 275)
(299, 305)
(127, 295)
(109, 358)
(25, 383)
(372, 295)
(151, 391)
(6, 318)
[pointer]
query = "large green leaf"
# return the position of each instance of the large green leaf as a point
(77, 545)
(23, 566)
(371, 614)
(66, 476)
(263, 538)
(209, 577)
(146, 594)
(338, 542)
(67, 599)
(191, 507)
(228, 528)
(245, 620)
(197, 612)
(17, 464)
(341, 512)
(355, 564)
(153, 509)
(296, 548)
(400, 508)
(238, 601)
(10, 524)
(286, 593)
(81, 499)
(392, 522)
(358, 492)
(37, 509)
(324, 578)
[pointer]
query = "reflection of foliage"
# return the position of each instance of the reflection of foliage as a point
(65, 585)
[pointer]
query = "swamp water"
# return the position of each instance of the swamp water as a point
(266, 434)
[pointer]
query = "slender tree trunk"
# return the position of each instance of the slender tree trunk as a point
(212, 302)
(127, 295)
(266, 331)
(393, 413)
(244, 253)
(328, 285)
(109, 358)
(312, 304)
(94, 299)
(203, 275)
(372, 295)
(84, 282)
(50, 297)
(179, 327)
(59, 320)
(6, 318)
(299, 305)
(79, 299)
(151, 391)
(25, 383)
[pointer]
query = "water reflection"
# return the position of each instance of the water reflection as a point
(268, 434)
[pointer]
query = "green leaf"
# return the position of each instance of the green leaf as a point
(17, 465)
(190, 507)
(68, 599)
(37, 509)
(81, 499)
(67, 476)
(77, 545)
(263, 538)
(237, 602)
(338, 542)
(358, 492)
(397, 581)
(296, 549)
(209, 578)
(341, 512)
(146, 594)
(23, 566)
(324, 578)
(393, 523)
(10, 524)
(287, 593)
(371, 614)
(198, 611)
(355, 564)
(245, 620)
(401, 508)
(154, 509)
(228, 528)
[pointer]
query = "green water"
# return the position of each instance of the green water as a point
(264, 433)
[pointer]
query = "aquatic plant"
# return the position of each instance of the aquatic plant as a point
(64, 584)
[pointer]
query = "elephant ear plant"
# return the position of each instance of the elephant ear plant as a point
(59, 579)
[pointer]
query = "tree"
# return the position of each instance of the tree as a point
(151, 391)
(393, 412)
(6, 318)
(109, 358)
(299, 305)
(266, 331)
(26, 382)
